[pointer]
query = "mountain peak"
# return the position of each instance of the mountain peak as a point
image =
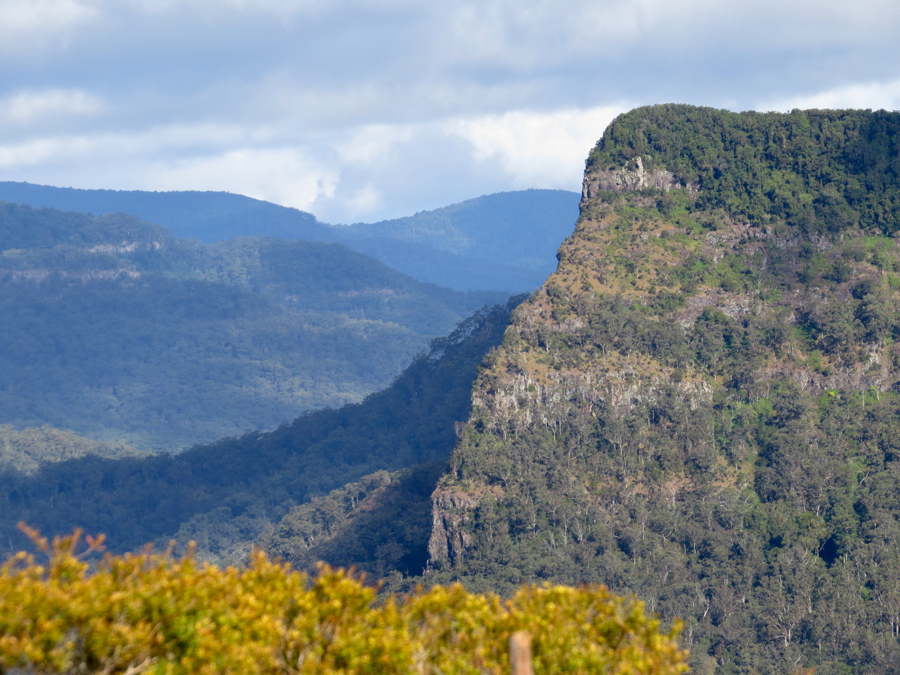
(699, 406)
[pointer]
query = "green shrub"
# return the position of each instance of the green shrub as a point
(154, 613)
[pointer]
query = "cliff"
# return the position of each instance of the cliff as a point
(700, 406)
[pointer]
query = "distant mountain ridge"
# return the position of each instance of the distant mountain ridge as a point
(208, 216)
(701, 407)
(505, 241)
(508, 237)
(120, 331)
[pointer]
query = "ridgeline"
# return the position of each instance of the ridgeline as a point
(701, 405)
(119, 331)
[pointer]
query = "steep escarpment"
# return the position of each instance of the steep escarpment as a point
(701, 405)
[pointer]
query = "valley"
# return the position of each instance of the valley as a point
(698, 407)
(120, 331)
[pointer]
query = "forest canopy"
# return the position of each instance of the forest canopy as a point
(701, 405)
(119, 331)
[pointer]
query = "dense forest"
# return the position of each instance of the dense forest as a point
(232, 493)
(26, 450)
(505, 241)
(701, 406)
(119, 331)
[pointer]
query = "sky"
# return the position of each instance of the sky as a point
(360, 110)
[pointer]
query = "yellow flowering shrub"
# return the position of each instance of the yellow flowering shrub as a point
(153, 613)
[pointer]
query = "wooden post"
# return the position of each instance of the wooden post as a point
(520, 653)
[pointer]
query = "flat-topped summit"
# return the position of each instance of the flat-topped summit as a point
(700, 406)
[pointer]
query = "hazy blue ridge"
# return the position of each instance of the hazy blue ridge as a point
(226, 494)
(460, 272)
(505, 241)
(207, 216)
(119, 331)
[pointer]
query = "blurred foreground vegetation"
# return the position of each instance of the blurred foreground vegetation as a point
(152, 613)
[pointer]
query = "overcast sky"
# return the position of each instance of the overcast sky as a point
(357, 110)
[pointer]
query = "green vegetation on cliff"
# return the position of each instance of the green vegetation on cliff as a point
(379, 525)
(701, 406)
(814, 171)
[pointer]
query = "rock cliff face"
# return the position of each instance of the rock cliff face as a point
(449, 540)
(700, 405)
(630, 179)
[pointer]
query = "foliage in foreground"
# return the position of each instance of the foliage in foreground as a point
(155, 613)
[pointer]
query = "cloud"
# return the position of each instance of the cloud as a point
(285, 176)
(365, 109)
(368, 199)
(28, 107)
(402, 169)
(872, 95)
(30, 24)
(373, 143)
(544, 150)
(198, 157)
(121, 147)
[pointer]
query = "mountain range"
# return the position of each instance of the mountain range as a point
(503, 242)
(700, 407)
(117, 330)
(230, 494)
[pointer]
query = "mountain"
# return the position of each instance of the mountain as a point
(119, 331)
(505, 241)
(702, 405)
(210, 217)
(230, 494)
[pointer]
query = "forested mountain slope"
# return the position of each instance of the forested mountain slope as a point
(232, 493)
(505, 241)
(701, 405)
(117, 330)
(26, 450)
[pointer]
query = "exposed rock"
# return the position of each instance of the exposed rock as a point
(630, 179)
(450, 509)
(697, 408)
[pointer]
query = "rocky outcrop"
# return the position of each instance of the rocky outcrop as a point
(700, 405)
(630, 178)
(450, 510)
